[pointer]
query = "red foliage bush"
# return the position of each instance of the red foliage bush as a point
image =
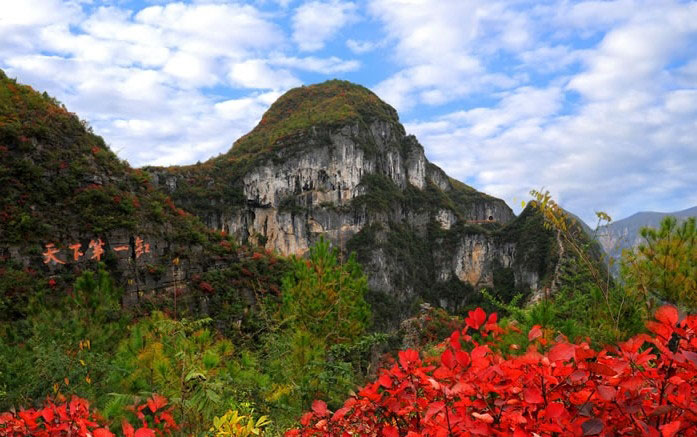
(74, 419)
(646, 386)
(206, 287)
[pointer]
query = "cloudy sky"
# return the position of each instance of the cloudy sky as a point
(595, 101)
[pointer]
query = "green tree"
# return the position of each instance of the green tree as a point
(179, 359)
(325, 296)
(69, 343)
(664, 266)
(323, 306)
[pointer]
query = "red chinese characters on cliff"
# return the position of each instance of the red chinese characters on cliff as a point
(95, 248)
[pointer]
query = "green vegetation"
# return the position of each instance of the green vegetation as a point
(332, 103)
(180, 359)
(249, 335)
(304, 337)
(664, 266)
(589, 303)
(64, 344)
(57, 178)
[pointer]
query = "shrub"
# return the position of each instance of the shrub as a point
(74, 418)
(644, 386)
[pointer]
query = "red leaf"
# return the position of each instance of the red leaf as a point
(455, 340)
(663, 409)
(389, 431)
(448, 359)
(533, 395)
(434, 409)
(475, 318)
(340, 413)
(606, 392)
(128, 430)
(408, 356)
(320, 408)
(385, 380)
(669, 429)
(486, 417)
(690, 356)
(535, 332)
(660, 329)
(555, 410)
(633, 384)
(157, 402)
(47, 414)
(561, 352)
(102, 432)
(463, 358)
(145, 432)
(667, 314)
(601, 369)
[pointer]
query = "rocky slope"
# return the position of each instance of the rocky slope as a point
(67, 202)
(333, 160)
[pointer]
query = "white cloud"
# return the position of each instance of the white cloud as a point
(190, 69)
(29, 13)
(256, 73)
(359, 47)
(631, 58)
(316, 22)
(247, 107)
(138, 76)
(442, 46)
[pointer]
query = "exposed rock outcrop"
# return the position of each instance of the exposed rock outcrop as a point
(366, 185)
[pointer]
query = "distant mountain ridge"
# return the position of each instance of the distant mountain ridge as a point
(624, 234)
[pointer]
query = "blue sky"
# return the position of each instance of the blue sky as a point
(595, 101)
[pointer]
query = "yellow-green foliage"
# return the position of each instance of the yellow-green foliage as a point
(234, 424)
(182, 360)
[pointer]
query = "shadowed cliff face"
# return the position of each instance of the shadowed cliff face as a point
(360, 181)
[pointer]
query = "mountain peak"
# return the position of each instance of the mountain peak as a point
(331, 103)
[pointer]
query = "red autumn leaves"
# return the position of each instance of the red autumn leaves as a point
(75, 419)
(646, 386)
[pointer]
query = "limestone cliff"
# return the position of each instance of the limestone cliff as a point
(333, 160)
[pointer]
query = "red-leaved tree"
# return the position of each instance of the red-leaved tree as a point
(646, 386)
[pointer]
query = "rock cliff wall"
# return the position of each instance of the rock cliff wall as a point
(366, 185)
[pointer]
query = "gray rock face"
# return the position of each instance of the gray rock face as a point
(319, 183)
(319, 188)
(141, 264)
